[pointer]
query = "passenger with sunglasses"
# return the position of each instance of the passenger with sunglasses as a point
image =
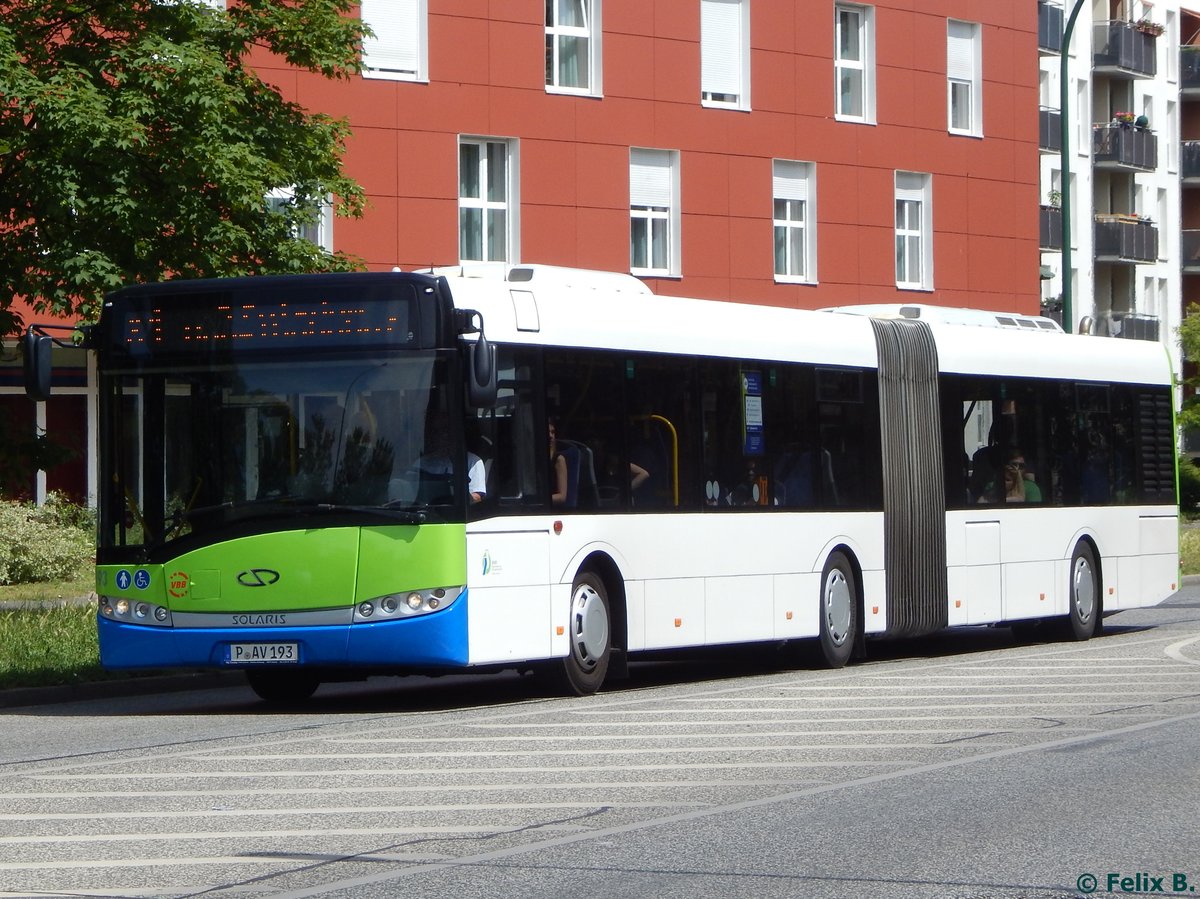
(1018, 486)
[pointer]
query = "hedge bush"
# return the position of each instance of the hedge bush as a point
(1189, 488)
(44, 543)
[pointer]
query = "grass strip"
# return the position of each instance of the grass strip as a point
(49, 646)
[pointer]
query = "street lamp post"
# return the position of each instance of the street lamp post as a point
(1065, 157)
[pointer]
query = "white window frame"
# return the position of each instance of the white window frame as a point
(794, 206)
(865, 65)
(654, 218)
(964, 78)
(725, 54)
(914, 231)
(590, 31)
(318, 231)
(486, 203)
(400, 49)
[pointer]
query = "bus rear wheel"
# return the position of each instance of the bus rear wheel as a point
(839, 611)
(590, 631)
(282, 687)
(1083, 595)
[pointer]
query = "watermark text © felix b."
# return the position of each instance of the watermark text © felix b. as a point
(1140, 882)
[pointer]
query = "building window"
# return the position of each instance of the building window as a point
(964, 78)
(573, 46)
(318, 226)
(914, 231)
(487, 200)
(794, 195)
(400, 48)
(653, 212)
(854, 67)
(725, 53)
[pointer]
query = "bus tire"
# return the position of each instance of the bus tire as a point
(589, 628)
(1083, 594)
(282, 687)
(838, 611)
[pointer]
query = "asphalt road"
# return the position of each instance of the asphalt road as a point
(966, 765)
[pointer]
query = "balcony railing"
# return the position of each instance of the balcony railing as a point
(1050, 28)
(1189, 69)
(1124, 147)
(1189, 248)
(1050, 222)
(1134, 326)
(1125, 238)
(1189, 161)
(1049, 130)
(1122, 49)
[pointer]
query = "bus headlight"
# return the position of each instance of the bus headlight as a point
(131, 612)
(407, 605)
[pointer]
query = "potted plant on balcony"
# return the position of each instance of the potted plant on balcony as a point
(1054, 197)
(1124, 119)
(1145, 26)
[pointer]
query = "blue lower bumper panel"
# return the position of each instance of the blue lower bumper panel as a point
(436, 640)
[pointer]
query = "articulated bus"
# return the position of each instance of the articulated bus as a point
(328, 477)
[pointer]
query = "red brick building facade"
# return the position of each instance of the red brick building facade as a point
(480, 71)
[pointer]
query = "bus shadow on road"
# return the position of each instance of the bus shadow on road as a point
(665, 669)
(455, 692)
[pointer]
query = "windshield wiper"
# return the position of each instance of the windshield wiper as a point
(407, 516)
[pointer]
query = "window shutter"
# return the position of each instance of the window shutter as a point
(396, 45)
(720, 43)
(960, 51)
(910, 186)
(790, 181)
(650, 178)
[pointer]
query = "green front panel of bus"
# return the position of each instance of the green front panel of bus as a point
(291, 570)
(399, 559)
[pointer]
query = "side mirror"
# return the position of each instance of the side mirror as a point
(479, 361)
(37, 349)
(481, 373)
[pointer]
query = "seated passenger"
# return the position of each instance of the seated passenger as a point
(1018, 485)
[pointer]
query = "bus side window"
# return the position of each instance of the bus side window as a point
(505, 435)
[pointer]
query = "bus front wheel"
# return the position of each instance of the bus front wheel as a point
(839, 611)
(1083, 601)
(280, 686)
(590, 631)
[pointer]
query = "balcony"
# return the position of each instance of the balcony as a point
(1049, 130)
(1189, 162)
(1125, 239)
(1124, 148)
(1190, 250)
(1050, 222)
(1189, 70)
(1050, 28)
(1124, 50)
(1134, 326)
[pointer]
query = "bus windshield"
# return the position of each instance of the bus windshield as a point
(196, 450)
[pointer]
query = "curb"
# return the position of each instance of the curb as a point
(20, 697)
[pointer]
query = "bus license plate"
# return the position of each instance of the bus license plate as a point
(278, 653)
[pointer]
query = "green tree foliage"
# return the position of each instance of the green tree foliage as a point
(138, 143)
(1189, 342)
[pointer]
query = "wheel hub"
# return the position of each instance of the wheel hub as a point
(837, 607)
(589, 626)
(1083, 588)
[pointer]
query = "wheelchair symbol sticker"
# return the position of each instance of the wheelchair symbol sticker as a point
(141, 579)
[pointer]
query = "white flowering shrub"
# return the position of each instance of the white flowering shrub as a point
(47, 543)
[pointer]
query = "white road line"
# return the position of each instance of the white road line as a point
(352, 810)
(1175, 651)
(539, 753)
(248, 835)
